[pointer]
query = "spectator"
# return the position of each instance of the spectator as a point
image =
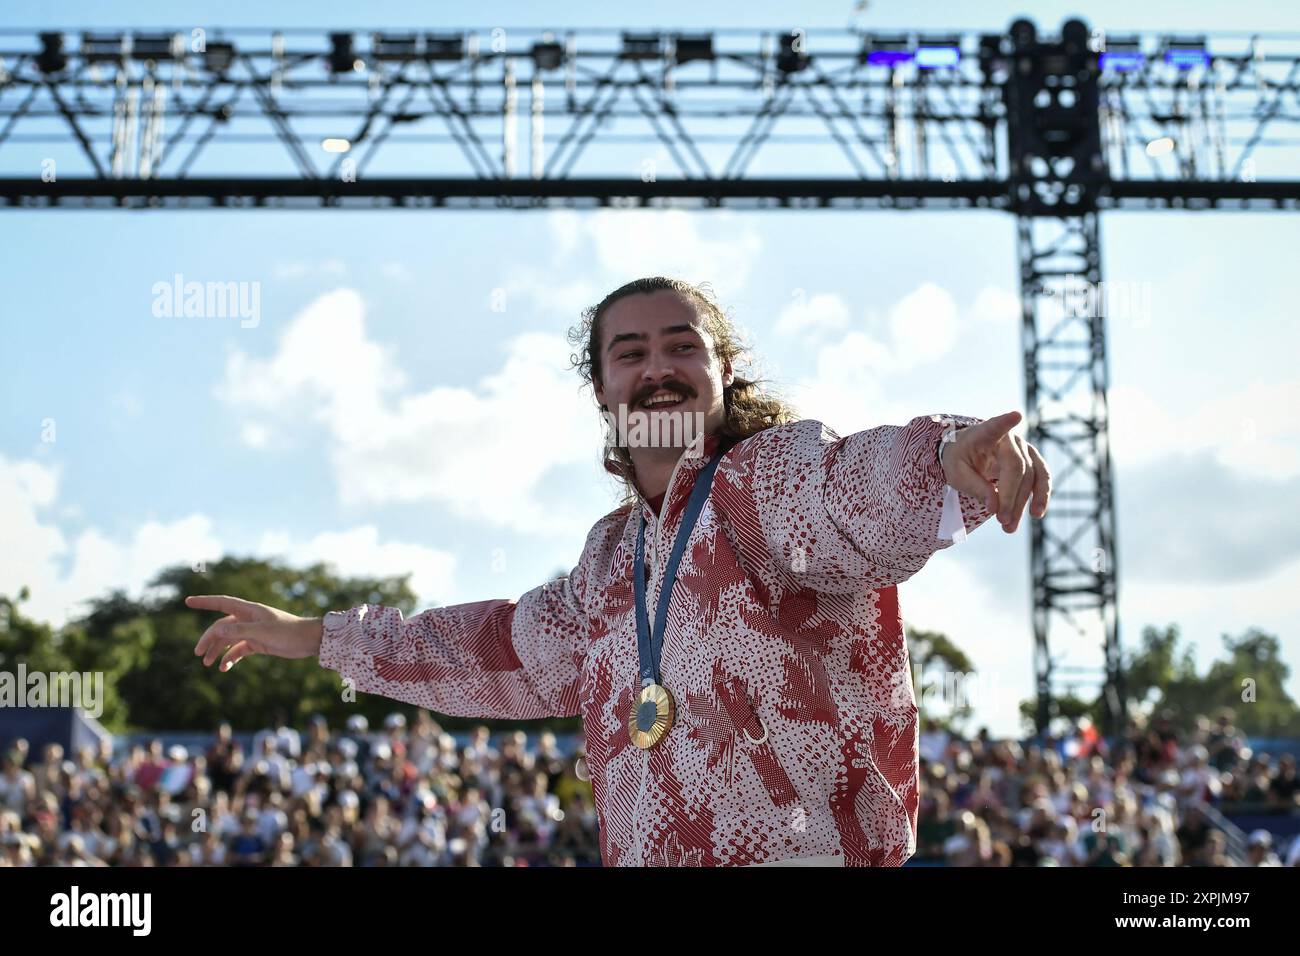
(248, 848)
(1259, 849)
(410, 796)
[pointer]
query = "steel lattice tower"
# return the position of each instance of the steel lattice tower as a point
(1051, 129)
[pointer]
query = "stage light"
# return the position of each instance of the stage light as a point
(1185, 53)
(788, 60)
(444, 46)
(640, 46)
(939, 53)
(1122, 62)
(888, 57)
(693, 47)
(51, 59)
(218, 55)
(993, 57)
(342, 59)
(548, 55)
(393, 46)
(886, 51)
(1161, 146)
(335, 145)
(157, 47)
(1122, 56)
(103, 48)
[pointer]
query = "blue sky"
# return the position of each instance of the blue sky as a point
(383, 416)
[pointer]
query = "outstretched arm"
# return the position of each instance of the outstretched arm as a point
(508, 659)
(868, 509)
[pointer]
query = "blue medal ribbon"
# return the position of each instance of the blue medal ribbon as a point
(650, 647)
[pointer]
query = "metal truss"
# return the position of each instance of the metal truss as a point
(503, 117)
(1052, 129)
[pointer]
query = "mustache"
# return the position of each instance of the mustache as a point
(681, 388)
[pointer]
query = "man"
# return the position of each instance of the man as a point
(765, 714)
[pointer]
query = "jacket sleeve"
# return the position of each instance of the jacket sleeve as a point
(517, 660)
(839, 514)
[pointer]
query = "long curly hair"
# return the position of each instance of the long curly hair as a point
(749, 407)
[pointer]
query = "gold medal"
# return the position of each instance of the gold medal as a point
(651, 717)
(652, 710)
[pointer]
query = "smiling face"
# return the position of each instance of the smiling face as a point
(655, 348)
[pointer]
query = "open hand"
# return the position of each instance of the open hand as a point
(252, 628)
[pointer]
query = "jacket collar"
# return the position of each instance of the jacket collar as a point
(682, 479)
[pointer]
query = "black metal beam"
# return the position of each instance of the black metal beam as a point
(1039, 126)
(257, 192)
(485, 193)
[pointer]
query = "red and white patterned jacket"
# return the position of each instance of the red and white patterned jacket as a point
(796, 726)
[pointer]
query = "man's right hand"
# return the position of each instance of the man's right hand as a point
(252, 628)
(987, 461)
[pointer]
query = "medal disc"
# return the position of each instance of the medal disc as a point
(651, 717)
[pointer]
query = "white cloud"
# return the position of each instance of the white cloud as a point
(480, 451)
(924, 325)
(31, 547)
(255, 435)
(325, 367)
(1190, 518)
(822, 312)
(566, 231)
(1253, 431)
(540, 293)
(845, 391)
(591, 254)
(996, 306)
(629, 244)
(848, 389)
(947, 596)
(128, 402)
(359, 552)
(62, 574)
(988, 618)
(64, 571)
(484, 451)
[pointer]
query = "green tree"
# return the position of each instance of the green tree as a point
(1250, 681)
(943, 671)
(74, 648)
(1068, 705)
(1160, 675)
(153, 681)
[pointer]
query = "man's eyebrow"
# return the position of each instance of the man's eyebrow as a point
(641, 336)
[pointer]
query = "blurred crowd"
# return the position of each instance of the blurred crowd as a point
(402, 796)
(412, 796)
(1153, 799)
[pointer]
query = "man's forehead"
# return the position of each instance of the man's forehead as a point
(650, 313)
